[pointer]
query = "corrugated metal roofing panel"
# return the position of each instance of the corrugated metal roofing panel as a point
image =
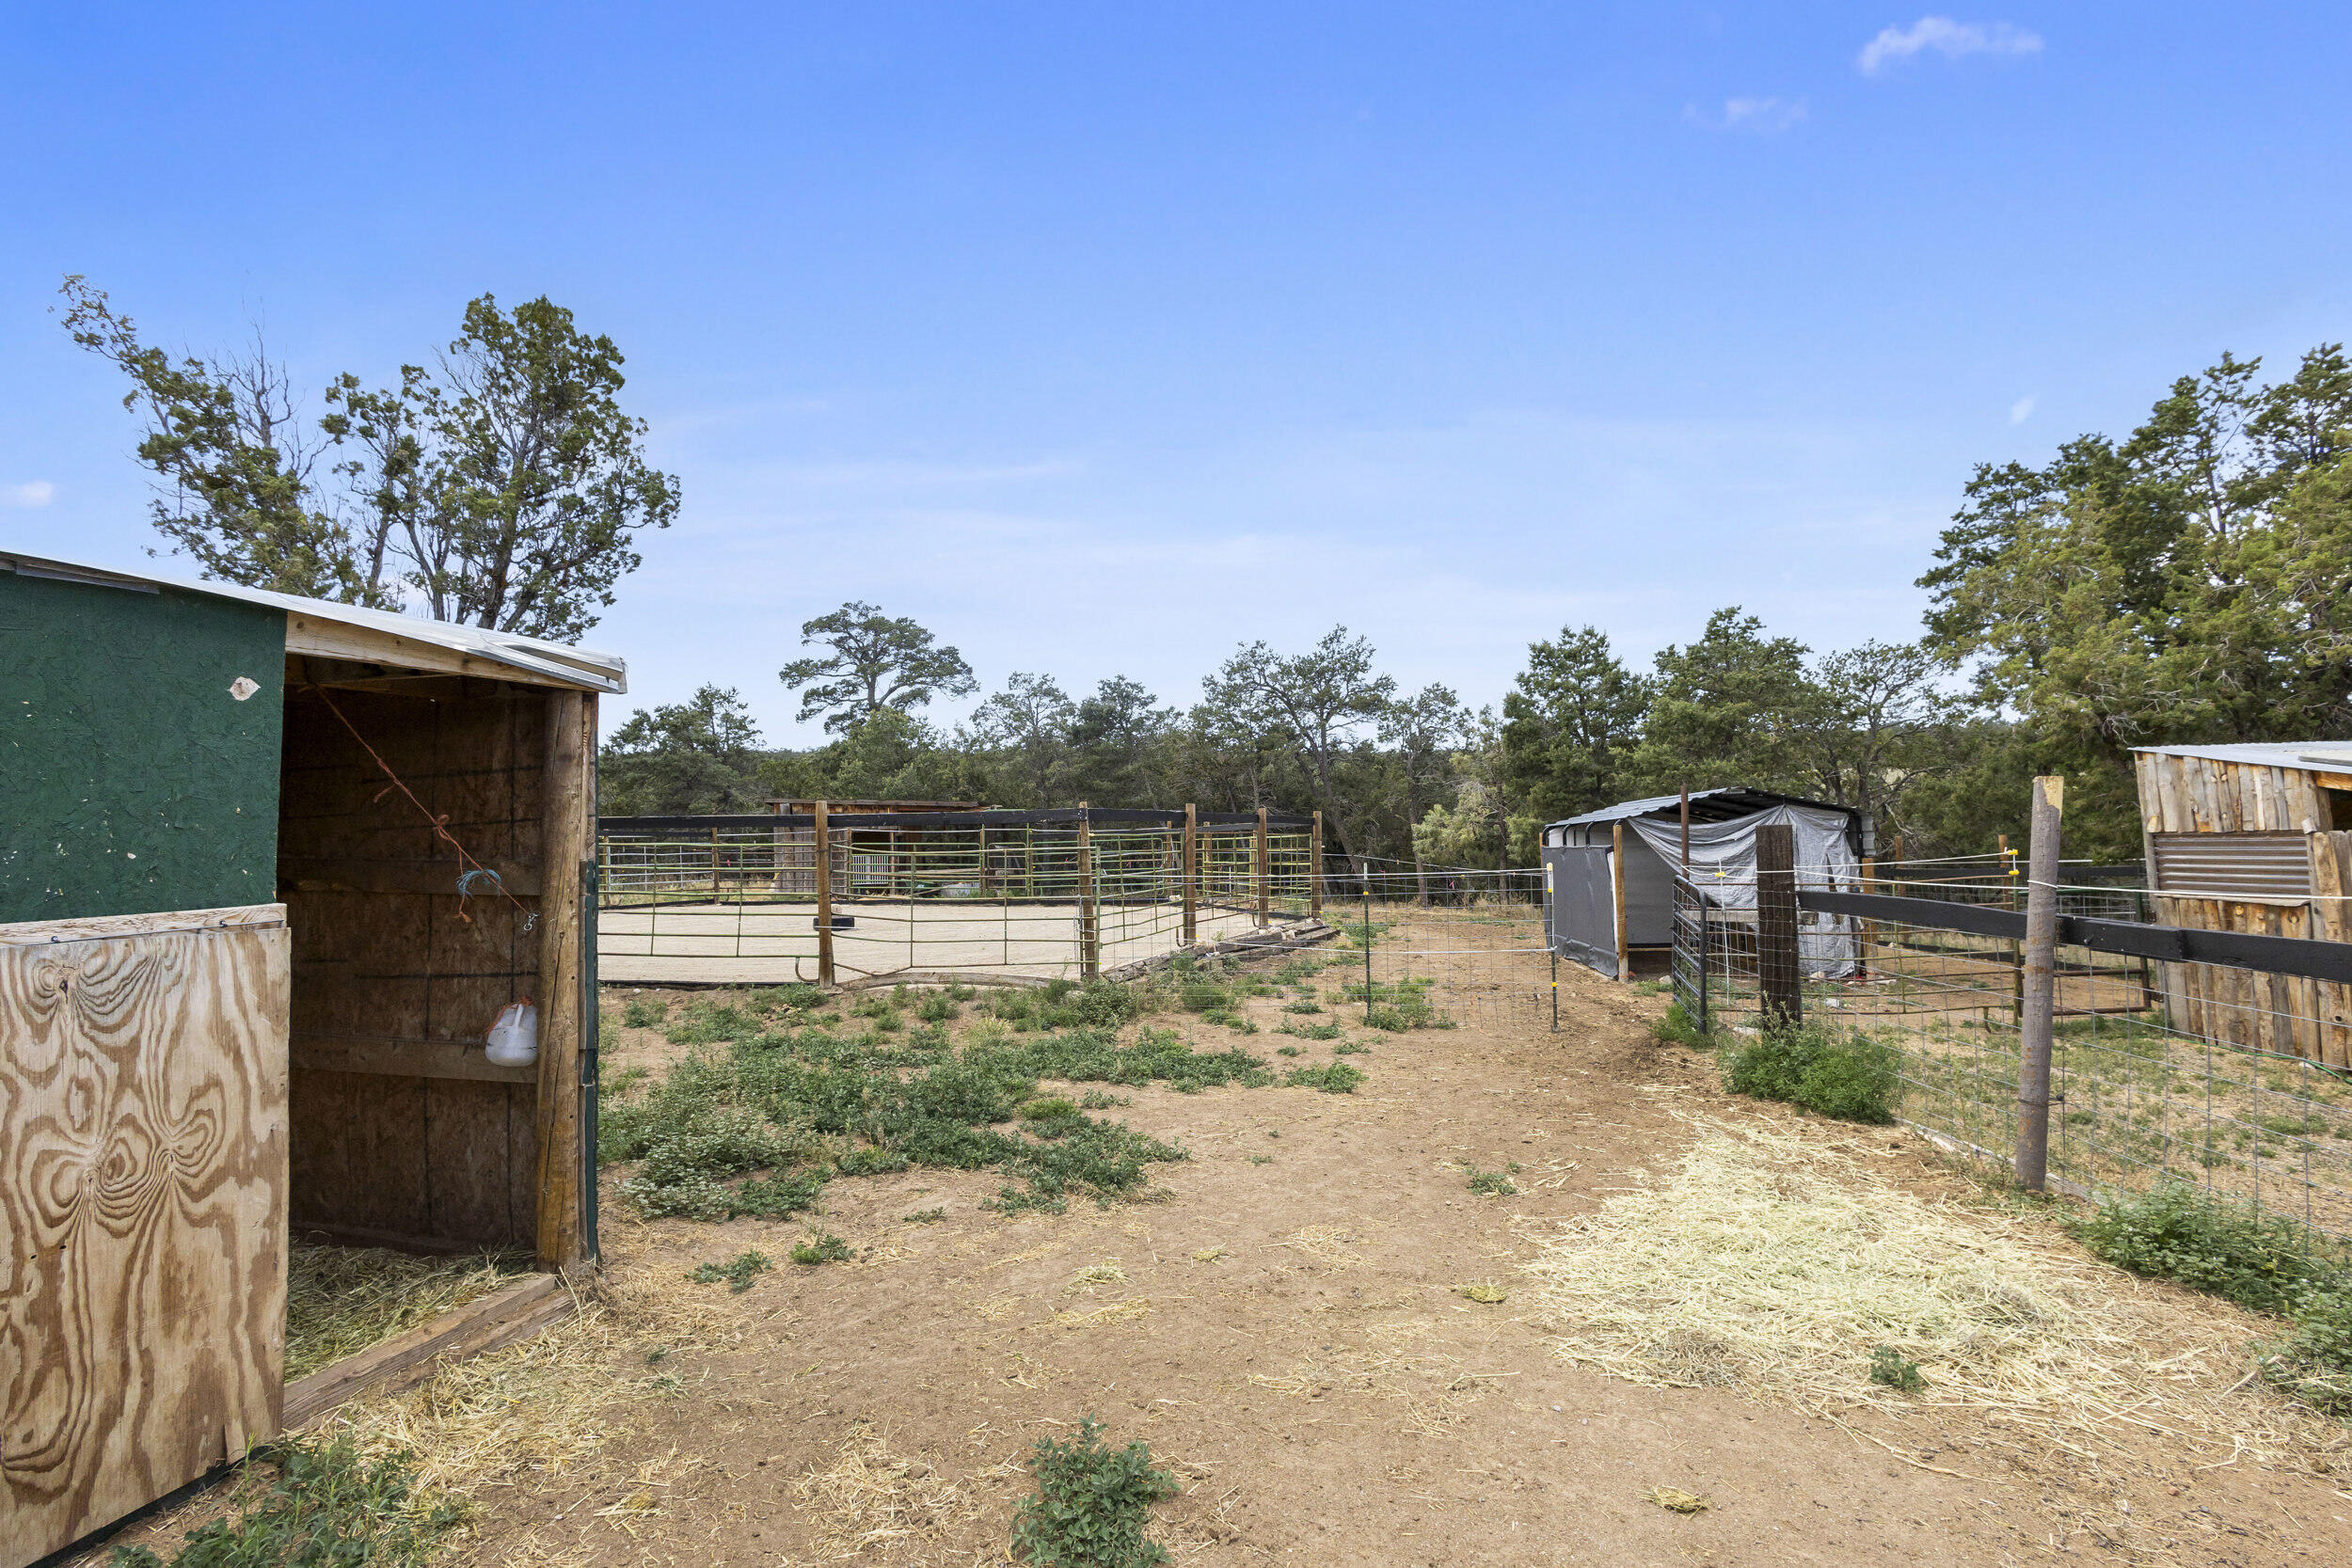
(2304, 755)
(1737, 796)
(2270, 866)
(581, 667)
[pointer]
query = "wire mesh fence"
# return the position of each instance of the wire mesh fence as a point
(1026, 897)
(1450, 947)
(2210, 1074)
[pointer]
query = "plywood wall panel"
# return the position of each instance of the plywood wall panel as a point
(143, 1180)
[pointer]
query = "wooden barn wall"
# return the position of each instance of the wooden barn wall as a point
(400, 1125)
(2283, 1014)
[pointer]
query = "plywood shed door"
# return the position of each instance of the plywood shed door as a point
(142, 1210)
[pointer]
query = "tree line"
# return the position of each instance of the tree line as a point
(2190, 581)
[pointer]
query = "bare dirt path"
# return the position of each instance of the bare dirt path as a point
(1284, 1326)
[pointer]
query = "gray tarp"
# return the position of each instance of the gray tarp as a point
(1580, 906)
(1723, 867)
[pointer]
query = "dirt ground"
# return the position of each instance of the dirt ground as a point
(1284, 1327)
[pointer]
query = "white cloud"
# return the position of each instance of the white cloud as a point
(1757, 116)
(1946, 38)
(2022, 410)
(39, 493)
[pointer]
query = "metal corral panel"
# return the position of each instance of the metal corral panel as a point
(2276, 866)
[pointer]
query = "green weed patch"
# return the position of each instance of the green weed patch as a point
(1092, 1501)
(303, 1503)
(1852, 1077)
(759, 1128)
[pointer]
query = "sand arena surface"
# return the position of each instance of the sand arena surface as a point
(774, 943)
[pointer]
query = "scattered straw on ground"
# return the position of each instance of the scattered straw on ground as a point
(874, 1505)
(1325, 1243)
(340, 1299)
(1771, 1263)
(1434, 1389)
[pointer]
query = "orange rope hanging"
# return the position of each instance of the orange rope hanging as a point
(440, 826)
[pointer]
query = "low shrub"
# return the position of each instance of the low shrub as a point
(1096, 1005)
(824, 1247)
(1679, 1028)
(1202, 996)
(646, 1012)
(1492, 1183)
(1889, 1369)
(1331, 1078)
(1091, 1504)
(2314, 1363)
(2175, 1232)
(1852, 1077)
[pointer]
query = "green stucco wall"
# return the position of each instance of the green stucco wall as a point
(131, 780)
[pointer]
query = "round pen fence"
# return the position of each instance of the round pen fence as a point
(1007, 896)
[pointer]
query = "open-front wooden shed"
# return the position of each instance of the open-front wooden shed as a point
(272, 868)
(2254, 838)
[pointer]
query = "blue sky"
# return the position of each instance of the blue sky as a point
(1102, 338)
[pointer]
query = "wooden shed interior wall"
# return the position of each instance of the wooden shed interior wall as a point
(401, 1128)
(2284, 1014)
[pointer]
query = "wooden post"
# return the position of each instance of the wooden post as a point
(1778, 974)
(1089, 935)
(1685, 832)
(567, 838)
(824, 896)
(1192, 873)
(1265, 866)
(1314, 870)
(2041, 1002)
(1866, 932)
(1616, 893)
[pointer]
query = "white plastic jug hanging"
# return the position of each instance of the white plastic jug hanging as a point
(515, 1037)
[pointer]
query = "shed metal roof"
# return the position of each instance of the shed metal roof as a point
(1706, 805)
(2303, 755)
(571, 666)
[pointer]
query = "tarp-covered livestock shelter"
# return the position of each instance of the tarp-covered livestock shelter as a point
(1609, 874)
(272, 868)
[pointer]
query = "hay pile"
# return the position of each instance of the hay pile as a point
(1772, 1265)
(340, 1299)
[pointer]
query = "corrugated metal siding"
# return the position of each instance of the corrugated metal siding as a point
(2232, 866)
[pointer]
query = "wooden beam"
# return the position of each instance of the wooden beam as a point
(567, 838)
(496, 1320)
(1616, 893)
(390, 1057)
(106, 928)
(316, 635)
